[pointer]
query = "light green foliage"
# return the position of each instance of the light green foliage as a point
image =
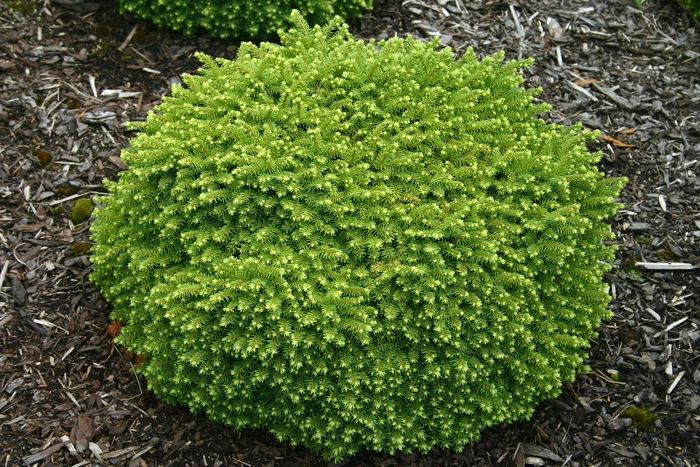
(356, 246)
(239, 18)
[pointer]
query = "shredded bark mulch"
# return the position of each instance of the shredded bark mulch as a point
(72, 72)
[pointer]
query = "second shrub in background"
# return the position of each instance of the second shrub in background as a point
(247, 19)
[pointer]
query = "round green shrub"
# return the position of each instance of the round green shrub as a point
(239, 18)
(356, 246)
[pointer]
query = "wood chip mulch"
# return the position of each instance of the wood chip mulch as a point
(72, 72)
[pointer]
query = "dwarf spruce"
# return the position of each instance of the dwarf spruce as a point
(693, 7)
(239, 18)
(356, 245)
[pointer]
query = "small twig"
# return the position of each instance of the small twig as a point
(675, 382)
(619, 100)
(137, 378)
(128, 38)
(141, 453)
(516, 451)
(41, 377)
(607, 379)
(240, 462)
(656, 316)
(582, 91)
(3, 273)
(78, 195)
(72, 398)
(520, 32)
(142, 55)
(49, 324)
(76, 90)
(665, 266)
(560, 60)
(138, 408)
(92, 85)
(14, 253)
(671, 326)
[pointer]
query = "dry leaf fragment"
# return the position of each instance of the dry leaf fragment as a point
(117, 428)
(628, 131)
(66, 236)
(118, 161)
(84, 432)
(662, 203)
(534, 460)
(538, 451)
(95, 449)
(19, 292)
(138, 462)
(34, 458)
(616, 142)
(695, 424)
(115, 328)
(28, 227)
(583, 82)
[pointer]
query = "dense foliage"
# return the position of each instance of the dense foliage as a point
(356, 245)
(693, 7)
(239, 18)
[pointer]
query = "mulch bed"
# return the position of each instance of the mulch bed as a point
(72, 72)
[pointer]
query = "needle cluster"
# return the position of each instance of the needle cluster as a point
(356, 245)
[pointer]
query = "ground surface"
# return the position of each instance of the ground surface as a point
(68, 396)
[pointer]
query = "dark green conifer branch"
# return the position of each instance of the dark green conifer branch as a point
(245, 19)
(356, 247)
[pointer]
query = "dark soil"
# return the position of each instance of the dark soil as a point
(70, 397)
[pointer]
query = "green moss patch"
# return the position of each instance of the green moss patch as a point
(81, 210)
(641, 417)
